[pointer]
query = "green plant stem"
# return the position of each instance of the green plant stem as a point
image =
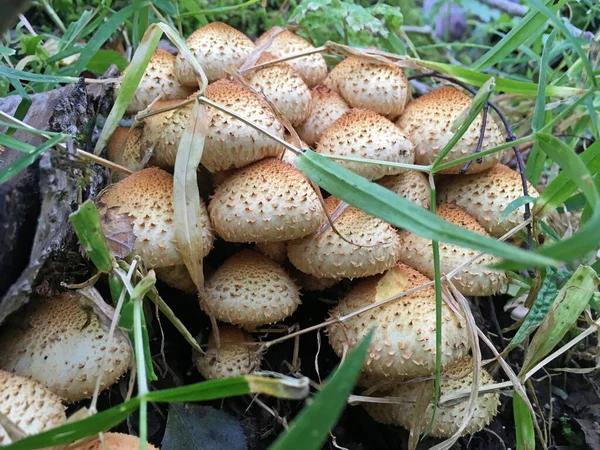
(57, 21)
(141, 370)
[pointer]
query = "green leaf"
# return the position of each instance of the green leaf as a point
(104, 58)
(383, 203)
(515, 204)
(11, 73)
(525, 433)
(310, 428)
(21, 146)
(88, 227)
(570, 303)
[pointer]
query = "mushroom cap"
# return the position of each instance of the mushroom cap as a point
(427, 121)
(217, 47)
(448, 418)
(486, 195)
(312, 68)
(250, 290)
(362, 133)
(116, 441)
(327, 107)
(476, 279)
(230, 142)
(159, 78)
(327, 255)
(285, 89)
(177, 277)
(411, 185)
(268, 201)
(235, 357)
(63, 349)
(147, 198)
(277, 251)
(382, 88)
(127, 148)
(310, 283)
(404, 340)
(29, 405)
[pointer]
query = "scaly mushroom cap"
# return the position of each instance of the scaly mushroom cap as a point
(311, 283)
(476, 279)
(428, 120)
(327, 107)
(277, 251)
(411, 185)
(284, 88)
(326, 255)
(268, 201)
(127, 148)
(230, 142)
(236, 357)
(312, 68)
(163, 131)
(382, 88)
(147, 198)
(448, 418)
(250, 290)
(404, 340)
(177, 277)
(159, 78)
(361, 133)
(116, 441)
(63, 349)
(29, 405)
(486, 195)
(217, 47)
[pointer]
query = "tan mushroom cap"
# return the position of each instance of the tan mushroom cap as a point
(236, 357)
(411, 185)
(277, 251)
(284, 88)
(428, 120)
(158, 80)
(116, 441)
(127, 148)
(486, 195)
(63, 349)
(218, 48)
(448, 418)
(29, 405)
(327, 107)
(327, 255)
(404, 340)
(231, 143)
(312, 68)
(268, 201)
(382, 88)
(361, 133)
(250, 290)
(147, 198)
(310, 283)
(475, 279)
(177, 277)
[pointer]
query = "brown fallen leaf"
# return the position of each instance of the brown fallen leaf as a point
(118, 229)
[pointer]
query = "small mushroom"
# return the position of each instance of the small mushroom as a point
(382, 88)
(327, 107)
(116, 441)
(29, 405)
(476, 279)
(158, 79)
(236, 357)
(250, 290)
(456, 377)
(374, 246)
(310, 283)
(218, 48)
(277, 251)
(403, 344)
(268, 201)
(411, 185)
(177, 277)
(486, 195)
(127, 148)
(284, 88)
(63, 349)
(147, 198)
(428, 120)
(312, 68)
(361, 133)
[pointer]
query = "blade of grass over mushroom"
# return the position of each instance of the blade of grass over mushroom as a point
(525, 434)
(311, 427)
(88, 227)
(570, 303)
(516, 204)
(383, 203)
(186, 196)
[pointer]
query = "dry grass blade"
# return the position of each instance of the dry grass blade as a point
(373, 56)
(259, 50)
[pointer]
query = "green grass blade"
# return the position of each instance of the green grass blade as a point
(9, 73)
(220, 10)
(515, 204)
(11, 142)
(310, 428)
(525, 434)
(383, 203)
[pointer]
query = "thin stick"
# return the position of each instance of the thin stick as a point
(479, 142)
(285, 58)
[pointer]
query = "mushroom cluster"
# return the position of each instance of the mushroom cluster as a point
(285, 239)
